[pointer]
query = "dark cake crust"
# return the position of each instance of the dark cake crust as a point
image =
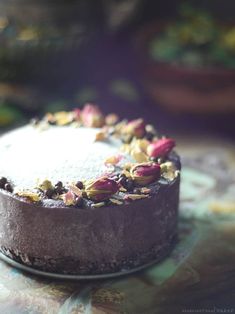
(96, 241)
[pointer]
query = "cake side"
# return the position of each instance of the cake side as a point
(101, 240)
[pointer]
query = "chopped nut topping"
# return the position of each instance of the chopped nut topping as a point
(32, 196)
(111, 119)
(122, 189)
(101, 136)
(45, 185)
(138, 155)
(75, 190)
(63, 118)
(134, 197)
(169, 171)
(69, 198)
(98, 205)
(141, 142)
(115, 201)
(145, 190)
(113, 160)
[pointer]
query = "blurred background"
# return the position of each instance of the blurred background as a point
(172, 62)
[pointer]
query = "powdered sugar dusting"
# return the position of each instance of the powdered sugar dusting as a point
(58, 153)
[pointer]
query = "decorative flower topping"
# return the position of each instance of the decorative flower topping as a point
(169, 171)
(69, 198)
(111, 119)
(98, 205)
(92, 116)
(32, 196)
(3, 182)
(76, 190)
(60, 118)
(138, 155)
(160, 148)
(45, 185)
(77, 114)
(113, 160)
(135, 128)
(145, 173)
(63, 117)
(101, 189)
(146, 153)
(101, 136)
(137, 149)
(134, 197)
(116, 201)
(6, 185)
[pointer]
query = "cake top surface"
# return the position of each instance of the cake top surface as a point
(64, 153)
(84, 157)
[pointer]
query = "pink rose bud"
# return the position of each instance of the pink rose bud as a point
(160, 148)
(77, 114)
(69, 198)
(135, 128)
(145, 173)
(92, 116)
(101, 189)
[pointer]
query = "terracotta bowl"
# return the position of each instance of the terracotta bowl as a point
(185, 89)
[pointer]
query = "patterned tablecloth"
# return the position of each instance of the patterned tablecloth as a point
(199, 275)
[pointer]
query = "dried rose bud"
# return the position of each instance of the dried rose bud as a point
(145, 173)
(160, 148)
(77, 114)
(111, 119)
(135, 128)
(69, 198)
(101, 189)
(92, 116)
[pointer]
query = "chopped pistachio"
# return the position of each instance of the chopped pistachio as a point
(113, 160)
(169, 171)
(101, 136)
(138, 155)
(111, 119)
(63, 117)
(145, 190)
(134, 197)
(69, 198)
(75, 190)
(45, 185)
(119, 126)
(32, 196)
(115, 201)
(126, 173)
(122, 189)
(98, 205)
(128, 166)
(126, 148)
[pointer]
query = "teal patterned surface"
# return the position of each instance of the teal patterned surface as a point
(200, 272)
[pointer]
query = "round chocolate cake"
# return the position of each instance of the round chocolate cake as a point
(83, 193)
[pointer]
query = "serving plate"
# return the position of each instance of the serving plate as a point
(34, 271)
